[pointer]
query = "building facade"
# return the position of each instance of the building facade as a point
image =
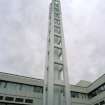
(20, 90)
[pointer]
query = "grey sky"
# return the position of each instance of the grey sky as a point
(23, 32)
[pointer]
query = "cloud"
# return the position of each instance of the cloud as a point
(84, 33)
(23, 37)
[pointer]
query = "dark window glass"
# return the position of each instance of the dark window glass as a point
(83, 95)
(28, 101)
(97, 91)
(1, 97)
(19, 99)
(74, 94)
(9, 98)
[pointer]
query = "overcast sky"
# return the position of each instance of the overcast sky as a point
(23, 34)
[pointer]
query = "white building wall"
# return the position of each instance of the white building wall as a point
(32, 90)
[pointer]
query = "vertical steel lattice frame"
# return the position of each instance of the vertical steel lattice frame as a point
(56, 84)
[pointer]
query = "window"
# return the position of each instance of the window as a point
(19, 100)
(28, 101)
(74, 94)
(97, 91)
(92, 94)
(100, 103)
(9, 98)
(1, 97)
(83, 95)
